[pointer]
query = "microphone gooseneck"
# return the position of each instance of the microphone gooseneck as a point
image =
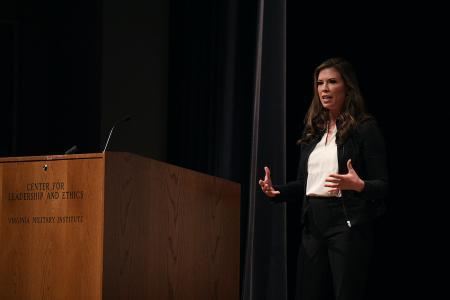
(72, 150)
(124, 119)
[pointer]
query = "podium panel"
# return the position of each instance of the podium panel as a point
(113, 226)
(51, 228)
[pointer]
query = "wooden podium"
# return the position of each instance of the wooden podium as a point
(116, 226)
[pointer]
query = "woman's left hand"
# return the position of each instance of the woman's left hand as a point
(349, 181)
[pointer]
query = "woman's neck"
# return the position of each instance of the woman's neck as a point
(332, 120)
(331, 124)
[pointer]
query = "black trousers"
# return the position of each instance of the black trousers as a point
(334, 258)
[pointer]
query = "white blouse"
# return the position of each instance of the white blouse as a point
(321, 163)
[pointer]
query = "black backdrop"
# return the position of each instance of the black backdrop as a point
(48, 81)
(54, 75)
(7, 88)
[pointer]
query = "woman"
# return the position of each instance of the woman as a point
(342, 179)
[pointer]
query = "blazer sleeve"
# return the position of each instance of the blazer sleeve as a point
(293, 190)
(374, 158)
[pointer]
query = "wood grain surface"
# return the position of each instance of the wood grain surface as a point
(170, 233)
(51, 246)
(116, 226)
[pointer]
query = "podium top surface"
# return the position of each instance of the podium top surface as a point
(115, 156)
(51, 157)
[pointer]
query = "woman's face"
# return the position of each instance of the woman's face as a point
(331, 89)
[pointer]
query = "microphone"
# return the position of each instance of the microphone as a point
(124, 119)
(72, 150)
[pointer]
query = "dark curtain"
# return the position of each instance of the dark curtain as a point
(227, 117)
(51, 63)
(211, 77)
(265, 264)
(7, 88)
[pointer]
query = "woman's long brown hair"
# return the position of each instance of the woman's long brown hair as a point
(353, 111)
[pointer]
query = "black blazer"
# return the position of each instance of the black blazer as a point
(366, 148)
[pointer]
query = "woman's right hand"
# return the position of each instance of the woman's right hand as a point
(266, 184)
